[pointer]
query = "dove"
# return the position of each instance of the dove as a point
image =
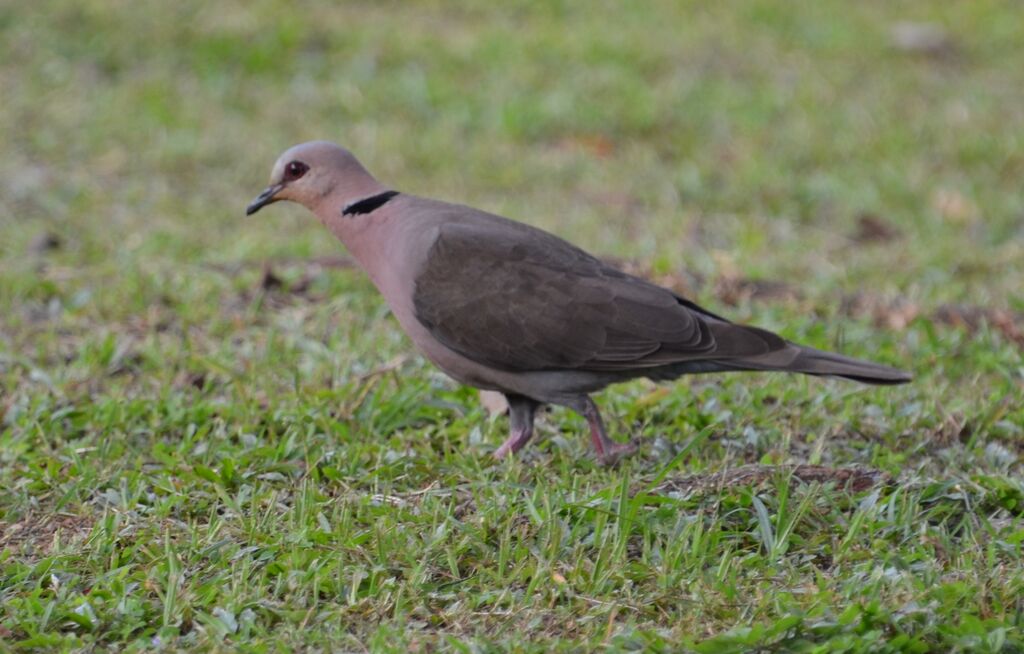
(504, 306)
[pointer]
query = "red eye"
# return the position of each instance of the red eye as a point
(295, 170)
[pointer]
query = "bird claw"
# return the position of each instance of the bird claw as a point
(615, 452)
(515, 442)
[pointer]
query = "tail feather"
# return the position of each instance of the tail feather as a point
(809, 361)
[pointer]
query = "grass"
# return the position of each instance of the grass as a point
(194, 456)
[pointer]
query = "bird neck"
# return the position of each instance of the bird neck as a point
(349, 191)
(362, 222)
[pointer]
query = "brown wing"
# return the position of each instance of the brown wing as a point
(517, 298)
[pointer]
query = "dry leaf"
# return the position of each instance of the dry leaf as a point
(928, 39)
(872, 228)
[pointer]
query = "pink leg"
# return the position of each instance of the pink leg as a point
(608, 451)
(515, 442)
(520, 415)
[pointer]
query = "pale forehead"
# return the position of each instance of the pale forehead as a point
(311, 153)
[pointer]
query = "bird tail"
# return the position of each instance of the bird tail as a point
(809, 361)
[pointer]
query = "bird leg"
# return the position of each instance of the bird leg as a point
(608, 451)
(521, 411)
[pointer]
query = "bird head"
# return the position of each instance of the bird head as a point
(309, 173)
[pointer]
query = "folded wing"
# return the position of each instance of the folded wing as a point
(515, 298)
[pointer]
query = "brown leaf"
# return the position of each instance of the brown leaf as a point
(598, 145)
(735, 290)
(886, 313)
(929, 39)
(37, 531)
(45, 242)
(1004, 321)
(954, 206)
(898, 313)
(312, 264)
(856, 478)
(269, 280)
(197, 380)
(872, 228)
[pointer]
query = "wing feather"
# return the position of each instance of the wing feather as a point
(517, 298)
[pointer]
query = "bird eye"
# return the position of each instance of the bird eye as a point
(295, 170)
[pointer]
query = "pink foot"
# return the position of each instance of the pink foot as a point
(515, 442)
(615, 452)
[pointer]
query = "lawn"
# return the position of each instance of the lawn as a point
(214, 436)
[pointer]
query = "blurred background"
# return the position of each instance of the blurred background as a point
(834, 145)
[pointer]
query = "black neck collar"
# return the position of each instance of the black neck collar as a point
(368, 205)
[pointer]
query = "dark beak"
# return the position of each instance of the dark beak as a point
(265, 198)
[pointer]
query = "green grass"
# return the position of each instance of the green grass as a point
(191, 461)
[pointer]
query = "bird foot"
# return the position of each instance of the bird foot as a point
(515, 442)
(502, 452)
(615, 452)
